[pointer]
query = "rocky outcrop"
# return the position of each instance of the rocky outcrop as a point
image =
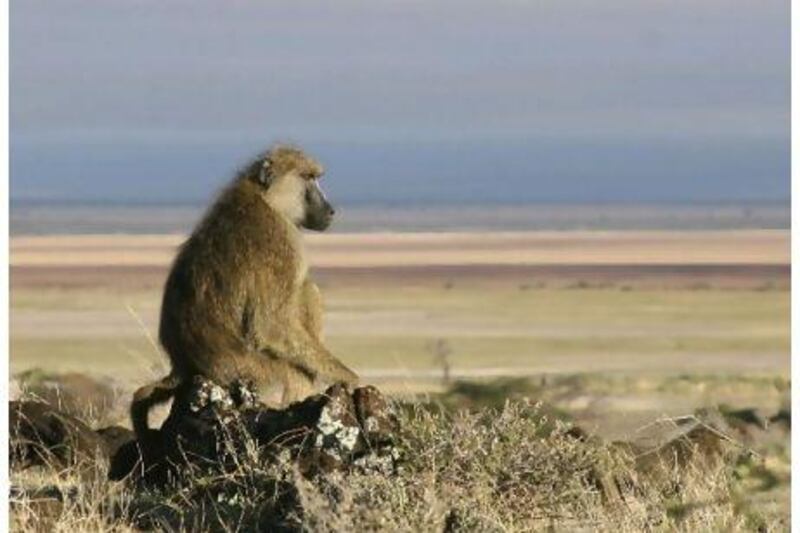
(74, 393)
(40, 435)
(208, 425)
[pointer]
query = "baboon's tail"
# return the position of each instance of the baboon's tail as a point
(145, 398)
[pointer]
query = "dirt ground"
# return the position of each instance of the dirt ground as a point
(741, 247)
(503, 304)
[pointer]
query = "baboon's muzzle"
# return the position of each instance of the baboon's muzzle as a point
(319, 218)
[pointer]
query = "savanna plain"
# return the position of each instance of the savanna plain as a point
(606, 331)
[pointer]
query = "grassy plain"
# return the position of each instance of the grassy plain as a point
(406, 308)
(612, 329)
(527, 303)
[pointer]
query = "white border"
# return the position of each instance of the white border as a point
(795, 321)
(5, 485)
(4, 272)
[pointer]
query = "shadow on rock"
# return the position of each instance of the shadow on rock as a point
(210, 426)
(40, 435)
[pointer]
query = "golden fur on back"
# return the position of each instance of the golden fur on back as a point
(238, 303)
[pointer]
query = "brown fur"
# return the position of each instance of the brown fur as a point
(285, 159)
(238, 303)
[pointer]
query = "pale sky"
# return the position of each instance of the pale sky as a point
(626, 101)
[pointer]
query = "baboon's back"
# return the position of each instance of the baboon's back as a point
(212, 292)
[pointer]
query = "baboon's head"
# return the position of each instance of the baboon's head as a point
(290, 179)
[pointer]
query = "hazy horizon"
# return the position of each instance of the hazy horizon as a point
(65, 219)
(405, 103)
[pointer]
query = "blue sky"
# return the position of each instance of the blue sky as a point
(406, 102)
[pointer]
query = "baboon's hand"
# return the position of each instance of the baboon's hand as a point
(345, 374)
(337, 373)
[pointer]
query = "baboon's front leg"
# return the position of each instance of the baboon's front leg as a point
(306, 354)
(298, 386)
(311, 308)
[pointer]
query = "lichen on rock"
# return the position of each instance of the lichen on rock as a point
(333, 431)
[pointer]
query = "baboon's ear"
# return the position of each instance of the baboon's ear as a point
(265, 174)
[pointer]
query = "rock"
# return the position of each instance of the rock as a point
(663, 454)
(273, 505)
(115, 438)
(208, 425)
(677, 443)
(73, 393)
(374, 414)
(127, 461)
(747, 417)
(747, 424)
(123, 451)
(599, 476)
(782, 418)
(40, 435)
(380, 426)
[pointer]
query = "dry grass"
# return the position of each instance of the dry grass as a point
(506, 469)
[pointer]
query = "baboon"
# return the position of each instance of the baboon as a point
(238, 303)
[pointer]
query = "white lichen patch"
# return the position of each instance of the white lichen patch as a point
(371, 425)
(209, 394)
(376, 463)
(348, 438)
(328, 423)
(218, 395)
(331, 425)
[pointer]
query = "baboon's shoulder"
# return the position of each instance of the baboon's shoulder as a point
(239, 234)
